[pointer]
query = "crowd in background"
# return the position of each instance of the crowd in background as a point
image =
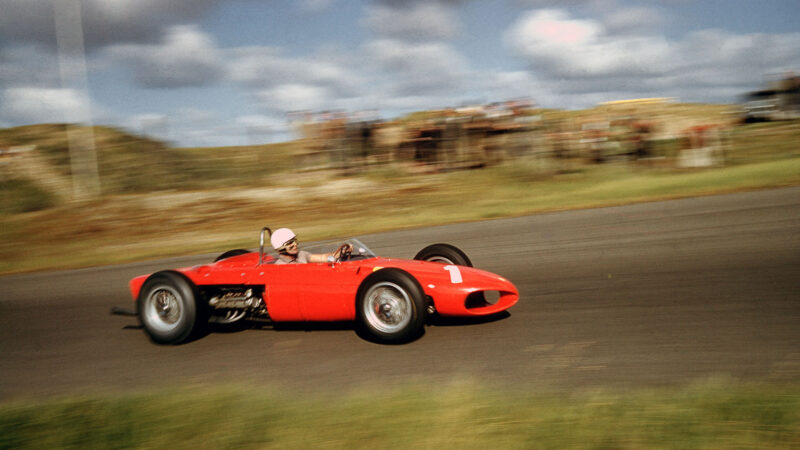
(480, 135)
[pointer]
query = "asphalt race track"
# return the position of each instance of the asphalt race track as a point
(653, 294)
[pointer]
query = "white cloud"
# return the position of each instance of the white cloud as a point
(295, 96)
(554, 27)
(413, 21)
(186, 57)
(586, 60)
(260, 121)
(559, 45)
(148, 117)
(715, 63)
(634, 20)
(191, 114)
(386, 74)
(28, 65)
(720, 49)
(418, 68)
(105, 22)
(39, 105)
(264, 67)
(283, 84)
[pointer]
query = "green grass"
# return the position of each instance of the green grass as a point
(458, 415)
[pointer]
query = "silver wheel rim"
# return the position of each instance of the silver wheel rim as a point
(163, 309)
(388, 307)
(439, 259)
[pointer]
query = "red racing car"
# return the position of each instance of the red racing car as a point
(390, 300)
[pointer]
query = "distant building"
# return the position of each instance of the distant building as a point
(779, 101)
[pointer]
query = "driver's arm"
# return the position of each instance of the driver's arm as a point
(319, 257)
(325, 257)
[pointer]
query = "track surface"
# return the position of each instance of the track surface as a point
(643, 295)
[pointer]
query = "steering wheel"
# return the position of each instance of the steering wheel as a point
(344, 252)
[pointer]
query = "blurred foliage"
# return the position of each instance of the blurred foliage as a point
(21, 196)
(457, 415)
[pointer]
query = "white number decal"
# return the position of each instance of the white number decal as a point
(455, 274)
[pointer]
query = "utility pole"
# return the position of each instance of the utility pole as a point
(72, 65)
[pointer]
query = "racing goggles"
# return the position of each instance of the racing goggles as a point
(288, 243)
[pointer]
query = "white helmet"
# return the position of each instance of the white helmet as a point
(280, 237)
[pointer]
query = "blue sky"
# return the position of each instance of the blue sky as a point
(212, 72)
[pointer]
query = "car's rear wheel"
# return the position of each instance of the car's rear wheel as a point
(390, 307)
(232, 253)
(445, 254)
(168, 310)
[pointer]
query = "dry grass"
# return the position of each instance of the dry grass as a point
(455, 415)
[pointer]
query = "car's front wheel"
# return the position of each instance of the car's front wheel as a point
(168, 310)
(445, 254)
(390, 306)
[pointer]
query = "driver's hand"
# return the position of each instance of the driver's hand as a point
(338, 252)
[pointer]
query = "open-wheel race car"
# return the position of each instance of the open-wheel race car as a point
(390, 300)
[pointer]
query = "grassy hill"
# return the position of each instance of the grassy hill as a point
(129, 164)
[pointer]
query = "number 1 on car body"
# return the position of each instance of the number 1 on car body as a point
(455, 274)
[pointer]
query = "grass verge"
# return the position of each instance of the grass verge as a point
(460, 415)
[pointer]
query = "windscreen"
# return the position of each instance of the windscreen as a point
(360, 250)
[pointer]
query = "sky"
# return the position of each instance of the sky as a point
(219, 73)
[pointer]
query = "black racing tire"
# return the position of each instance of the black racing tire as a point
(231, 254)
(168, 309)
(444, 253)
(390, 307)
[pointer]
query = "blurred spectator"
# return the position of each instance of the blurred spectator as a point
(478, 135)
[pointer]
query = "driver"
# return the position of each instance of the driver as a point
(284, 241)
